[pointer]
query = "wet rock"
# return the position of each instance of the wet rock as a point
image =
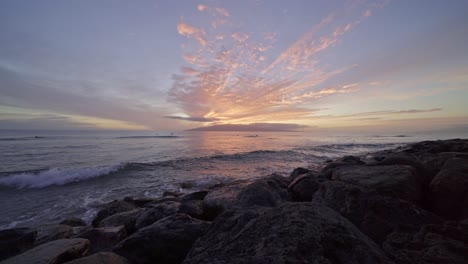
(200, 195)
(100, 258)
(194, 208)
(394, 180)
(289, 233)
(15, 241)
(430, 244)
(73, 222)
(111, 209)
(166, 241)
(54, 252)
(104, 238)
(127, 219)
(46, 233)
(351, 160)
(140, 201)
(298, 172)
(268, 191)
(221, 199)
(303, 187)
(449, 189)
(375, 215)
(157, 212)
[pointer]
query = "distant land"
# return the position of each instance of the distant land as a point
(258, 127)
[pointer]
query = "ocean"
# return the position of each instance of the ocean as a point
(46, 176)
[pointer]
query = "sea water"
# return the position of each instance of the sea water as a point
(46, 176)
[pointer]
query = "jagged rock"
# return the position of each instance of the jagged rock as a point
(166, 241)
(104, 238)
(303, 187)
(54, 252)
(15, 241)
(200, 195)
(157, 212)
(430, 244)
(289, 233)
(449, 189)
(127, 219)
(46, 233)
(111, 209)
(73, 222)
(100, 258)
(375, 215)
(394, 180)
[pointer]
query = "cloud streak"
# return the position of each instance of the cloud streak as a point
(233, 76)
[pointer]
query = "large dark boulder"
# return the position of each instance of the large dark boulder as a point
(449, 189)
(127, 219)
(399, 181)
(221, 199)
(46, 233)
(194, 208)
(303, 187)
(54, 252)
(15, 241)
(100, 258)
(104, 238)
(166, 241)
(430, 244)
(200, 195)
(73, 222)
(374, 214)
(156, 212)
(111, 209)
(288, 233)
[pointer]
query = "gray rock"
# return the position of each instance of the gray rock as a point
(139, 201)
(46, 233)
(54, 252)
(375, 215)
(194, 208)
(73, 221)
(289, 233)
(303, 187)
(127, 219)
(221, 199)
(399, 181)
(449, 189)
(104, 238)
(157, 212)
(166, 241)
(200, 195)
(430, 244)
(15, 241)
(298, 172)
(100, 258)
(111, 209)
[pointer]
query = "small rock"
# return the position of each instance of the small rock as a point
(166, 241)
(100, 258)
(53, 252)
(15, 241)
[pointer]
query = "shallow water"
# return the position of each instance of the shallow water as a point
(46, 176)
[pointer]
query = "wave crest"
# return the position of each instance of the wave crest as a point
(56, 176)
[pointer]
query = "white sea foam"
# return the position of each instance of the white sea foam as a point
(56, 176)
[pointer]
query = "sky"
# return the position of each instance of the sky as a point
(175, 65)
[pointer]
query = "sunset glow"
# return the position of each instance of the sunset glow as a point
(162, 65)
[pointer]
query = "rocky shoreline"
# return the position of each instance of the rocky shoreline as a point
(406, 205)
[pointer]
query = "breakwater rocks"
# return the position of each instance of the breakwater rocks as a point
(406, 205)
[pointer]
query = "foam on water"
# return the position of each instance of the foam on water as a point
(56, 176)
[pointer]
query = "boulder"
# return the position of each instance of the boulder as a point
(127, 219)
(104, 238)
(200, 195)
(157, 212)
(303, 187)
(288, 233)
(194, 208)
(139, 201)
(399, 181)
(111, 209)
(375, 215)
(298, 172)
(401, 158)
(100, 258)
(46, 233)
(449, 189)
(54, 252)
(166, 241)
(430, 244)
(15, 241)
(73, 222)
(221, 199)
